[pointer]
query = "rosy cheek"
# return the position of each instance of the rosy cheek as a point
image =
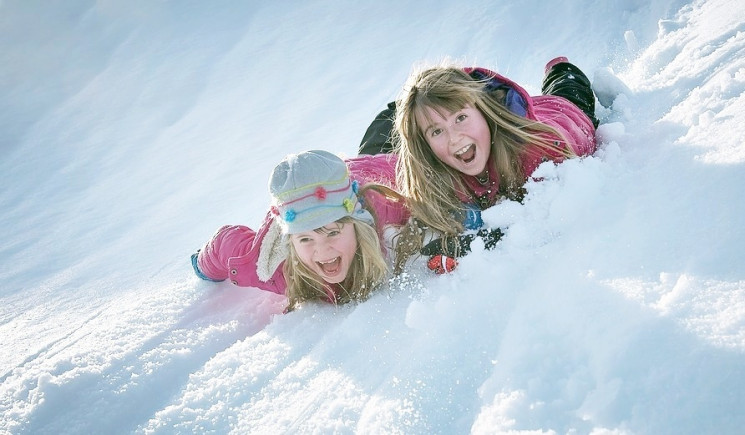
(303, 251)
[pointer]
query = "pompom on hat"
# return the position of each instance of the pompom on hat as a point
(313, 189)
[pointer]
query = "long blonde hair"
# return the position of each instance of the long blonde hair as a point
(366, 273)
(429, 185)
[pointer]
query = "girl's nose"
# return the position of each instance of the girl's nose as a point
(453, 135)
(322, 246)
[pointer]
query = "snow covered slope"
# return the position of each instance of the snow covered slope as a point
(130, 131)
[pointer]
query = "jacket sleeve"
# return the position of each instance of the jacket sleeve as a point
(379, 169)
(246, 257)
(387, 211)
(262, 265)
(229, 241)
(575, 127)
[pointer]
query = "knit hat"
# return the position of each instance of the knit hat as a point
(313, 189)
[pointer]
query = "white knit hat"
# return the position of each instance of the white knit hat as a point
(313, 189)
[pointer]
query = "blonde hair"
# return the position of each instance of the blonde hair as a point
(366, 272)
(429, 185)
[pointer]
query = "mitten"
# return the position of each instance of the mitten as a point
(194, 258)
(442, 264)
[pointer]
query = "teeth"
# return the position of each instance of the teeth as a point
(463, 150)
(329, 261)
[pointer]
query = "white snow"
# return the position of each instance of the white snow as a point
(130, 131)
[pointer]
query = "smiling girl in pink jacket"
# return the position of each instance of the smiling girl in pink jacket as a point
(468, 137)
(322, 237)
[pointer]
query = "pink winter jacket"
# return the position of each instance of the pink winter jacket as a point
(557, 112)
(254, 258)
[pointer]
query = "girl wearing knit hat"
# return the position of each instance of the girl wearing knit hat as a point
(321, 239)
(468, 137)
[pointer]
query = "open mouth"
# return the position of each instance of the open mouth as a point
(466, 154)
(330, 267)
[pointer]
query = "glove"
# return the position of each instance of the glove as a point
(454, 246)
(441, 264)
(461, 245)
(490, 237)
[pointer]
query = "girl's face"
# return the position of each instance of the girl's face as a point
(327, 251)
(460, 139)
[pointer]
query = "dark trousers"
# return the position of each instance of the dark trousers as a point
(566, 80)
(378, 137)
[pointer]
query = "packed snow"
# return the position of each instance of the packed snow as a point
(130, 131)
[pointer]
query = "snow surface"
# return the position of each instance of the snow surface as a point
(131, 130)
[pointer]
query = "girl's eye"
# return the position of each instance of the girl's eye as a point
(333, 233)
(435, 132)
(304, 239)
(460, 118)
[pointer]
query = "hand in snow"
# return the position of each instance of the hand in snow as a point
(461, 245)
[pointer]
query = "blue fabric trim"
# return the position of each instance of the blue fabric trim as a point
(198, 272)
(473, 220)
